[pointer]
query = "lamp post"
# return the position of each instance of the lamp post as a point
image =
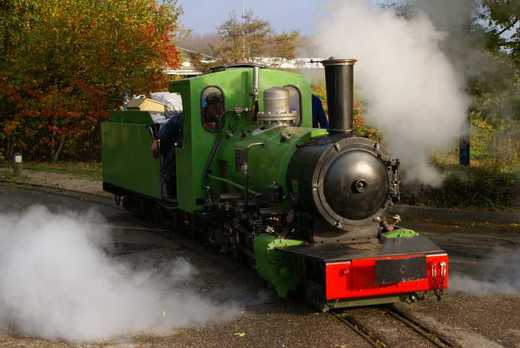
(17, 164)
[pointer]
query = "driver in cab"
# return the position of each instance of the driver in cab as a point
(212, 111)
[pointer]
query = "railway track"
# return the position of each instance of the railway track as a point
(413, 332)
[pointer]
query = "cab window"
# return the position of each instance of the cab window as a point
(212, 108)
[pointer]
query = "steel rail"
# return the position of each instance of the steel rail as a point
(376, 340)
(367, 334)
(432, 335)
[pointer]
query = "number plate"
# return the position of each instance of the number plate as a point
(400, 270)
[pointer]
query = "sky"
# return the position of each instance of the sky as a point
(204, 16)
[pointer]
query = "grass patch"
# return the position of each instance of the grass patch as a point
(84, 170)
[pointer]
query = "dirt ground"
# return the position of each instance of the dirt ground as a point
(56, 180)
(489, 320)
(469, 237)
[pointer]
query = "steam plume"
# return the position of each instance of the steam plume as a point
(57, 282)
(412, 91)
(500, 274)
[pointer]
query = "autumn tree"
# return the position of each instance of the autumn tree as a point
(246, 37)
(284, 45)
(498, 86)
(501, 20)
(65, 64)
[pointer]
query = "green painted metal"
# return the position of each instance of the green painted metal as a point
(133, 167)
(282, 270)
(235, 84)
(267, 163)
(127, 160)
(401, 233)
(232, 183)
(138, 117)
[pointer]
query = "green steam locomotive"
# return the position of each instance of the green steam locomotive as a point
(245, 170)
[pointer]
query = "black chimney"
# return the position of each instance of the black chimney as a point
(339, 77)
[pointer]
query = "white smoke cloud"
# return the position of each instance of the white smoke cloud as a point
(58, 282)
(412, 91)
(499, 274)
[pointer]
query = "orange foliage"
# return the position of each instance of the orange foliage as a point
(68, 63)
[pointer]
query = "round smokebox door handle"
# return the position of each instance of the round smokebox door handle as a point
(360, 186)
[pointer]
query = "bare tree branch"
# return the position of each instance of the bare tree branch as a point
(511, 25)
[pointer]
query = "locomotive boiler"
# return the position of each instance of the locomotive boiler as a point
(249, 174)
